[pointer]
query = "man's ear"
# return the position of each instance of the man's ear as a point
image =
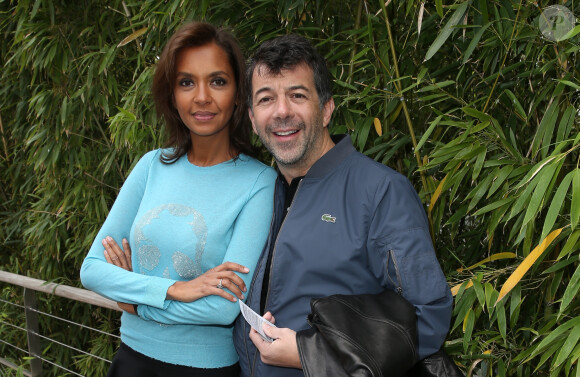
(327, 111)
(251, 115)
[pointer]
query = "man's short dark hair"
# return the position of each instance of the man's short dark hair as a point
(287, 52)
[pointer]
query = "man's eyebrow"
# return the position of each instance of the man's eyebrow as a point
(261, 90)
(299, 87)
(293, 87)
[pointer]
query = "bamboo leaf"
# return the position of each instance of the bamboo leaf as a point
(455, 289)
(571, 291)
(363, 134)
(548, 122)
(491, 258)
(566, 123)
(478, 164)
(479, 292)
(537, 168)
(544, 179)
(555, 334)
(458, 215)
(560, 265)
(493, 206)
(479, 191)
(570, 34)
(501, 320)
(556, 204)
(520, 271)
(570, 244)
(518, 106)
(575, 208)
(570, 84)
(420, 18)
(476, 114)
(378, 127)
(474, 42)
(500, 178)
(515, 304)
(437, 193)
(439, 7)
(468, 324)
(523, 199)
(447, 29)
(436, 86)
(428, 132)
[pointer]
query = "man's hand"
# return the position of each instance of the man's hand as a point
(283, 351)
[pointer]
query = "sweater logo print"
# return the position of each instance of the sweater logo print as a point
(328, 218)
(149, 255)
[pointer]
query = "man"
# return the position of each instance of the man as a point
(343, 223)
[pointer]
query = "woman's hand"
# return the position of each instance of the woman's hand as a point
(114, 254)
(208, 284)
(187, 291)
(120, 258)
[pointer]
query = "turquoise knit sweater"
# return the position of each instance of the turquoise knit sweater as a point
(181, 220)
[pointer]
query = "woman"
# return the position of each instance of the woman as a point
(196, 217)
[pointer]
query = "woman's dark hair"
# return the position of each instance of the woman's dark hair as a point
(287, 52)
(197, 34)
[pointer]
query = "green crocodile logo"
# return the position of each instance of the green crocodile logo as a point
(328, 218)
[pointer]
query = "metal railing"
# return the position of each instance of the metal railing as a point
(31, 286)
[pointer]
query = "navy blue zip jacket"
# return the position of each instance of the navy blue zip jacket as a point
(355, 226)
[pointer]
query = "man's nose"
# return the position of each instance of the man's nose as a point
(283, 109)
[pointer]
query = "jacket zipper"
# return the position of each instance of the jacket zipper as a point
(253, 364)
(276, 242)
(272, 260)
(399, 288)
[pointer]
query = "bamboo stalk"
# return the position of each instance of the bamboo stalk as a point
(353, 52)
(397, 84)
(3, 139)
(504, 58)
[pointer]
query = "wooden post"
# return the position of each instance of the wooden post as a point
(32, 329)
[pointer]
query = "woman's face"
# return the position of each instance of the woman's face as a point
(205, 90)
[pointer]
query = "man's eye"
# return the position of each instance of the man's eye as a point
(298, 95)
(264, 99)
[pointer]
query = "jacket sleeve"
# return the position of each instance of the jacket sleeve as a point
(403, 258)
(248, 238)
(109, 280)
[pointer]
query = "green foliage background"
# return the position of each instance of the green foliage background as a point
(466, 98)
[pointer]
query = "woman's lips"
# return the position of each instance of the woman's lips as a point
(203, 115)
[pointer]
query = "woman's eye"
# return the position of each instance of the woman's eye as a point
(219, 81)
(185, 82)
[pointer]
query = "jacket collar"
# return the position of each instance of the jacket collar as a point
(334, 157)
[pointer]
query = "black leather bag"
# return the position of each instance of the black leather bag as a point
(356, 332)
(366, 336)
(437, 365)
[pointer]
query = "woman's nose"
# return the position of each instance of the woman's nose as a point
(202, 95)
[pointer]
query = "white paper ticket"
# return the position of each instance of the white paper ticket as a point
(255, 320)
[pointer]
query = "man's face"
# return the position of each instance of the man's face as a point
(287, 116)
